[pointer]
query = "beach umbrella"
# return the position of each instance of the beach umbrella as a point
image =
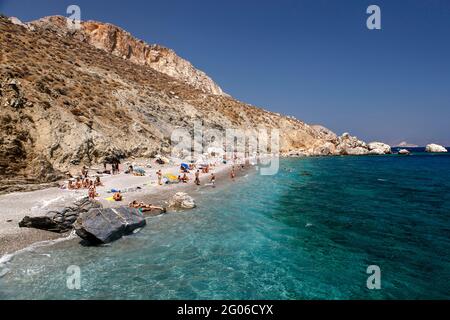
(185, 166)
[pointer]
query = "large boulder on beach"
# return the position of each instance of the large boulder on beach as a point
(100, 226)
(379, 148)
(60, 220)
(42, 223)
(435, 148)
(182, 200)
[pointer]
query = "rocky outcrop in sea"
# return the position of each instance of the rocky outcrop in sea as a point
(341, 145)
(435, 148)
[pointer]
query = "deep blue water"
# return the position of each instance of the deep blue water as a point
(310, 232)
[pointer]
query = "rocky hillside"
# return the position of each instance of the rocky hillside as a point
(68, 100)
(120, 43)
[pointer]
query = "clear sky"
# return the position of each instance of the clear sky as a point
(312, 59)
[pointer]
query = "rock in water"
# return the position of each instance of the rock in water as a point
(379, 148)
(99, 226)
(182, 200)
(435, 148)
(404, 152)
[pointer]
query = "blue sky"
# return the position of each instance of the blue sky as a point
(314, 59)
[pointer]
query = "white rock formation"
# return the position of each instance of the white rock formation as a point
(379, 148)
(182, 200)
(404, 152)
(435, 148)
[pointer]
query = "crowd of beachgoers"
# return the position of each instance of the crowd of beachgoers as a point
(139, 183)
(90, 179)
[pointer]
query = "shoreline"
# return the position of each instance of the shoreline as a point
(17, 205)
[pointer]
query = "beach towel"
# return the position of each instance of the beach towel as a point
(112, 199)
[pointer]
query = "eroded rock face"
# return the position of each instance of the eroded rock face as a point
(118, 42)
(435, 148)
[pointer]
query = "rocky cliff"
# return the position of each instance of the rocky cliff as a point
(118, 42)
(65, 103)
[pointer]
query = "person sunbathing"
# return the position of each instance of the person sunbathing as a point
(144, 207)
(98, 183)
(85, 183)
(78, 183)
(117, 196)
(70, 185)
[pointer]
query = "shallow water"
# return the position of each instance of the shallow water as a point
(310, 232)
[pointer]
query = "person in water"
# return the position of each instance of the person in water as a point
(213, 179)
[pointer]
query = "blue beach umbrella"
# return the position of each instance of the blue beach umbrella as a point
(185, 166)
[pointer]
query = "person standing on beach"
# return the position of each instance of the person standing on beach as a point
(159, 174)
(197, 177)
(232, 173)
(92, 192)
(84, 172)
(213, 180)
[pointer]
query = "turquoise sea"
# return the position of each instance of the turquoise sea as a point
(310, 232)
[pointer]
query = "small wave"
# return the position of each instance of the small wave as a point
(383, 180)
(9, 256)
(4, 272)
(49, 202)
